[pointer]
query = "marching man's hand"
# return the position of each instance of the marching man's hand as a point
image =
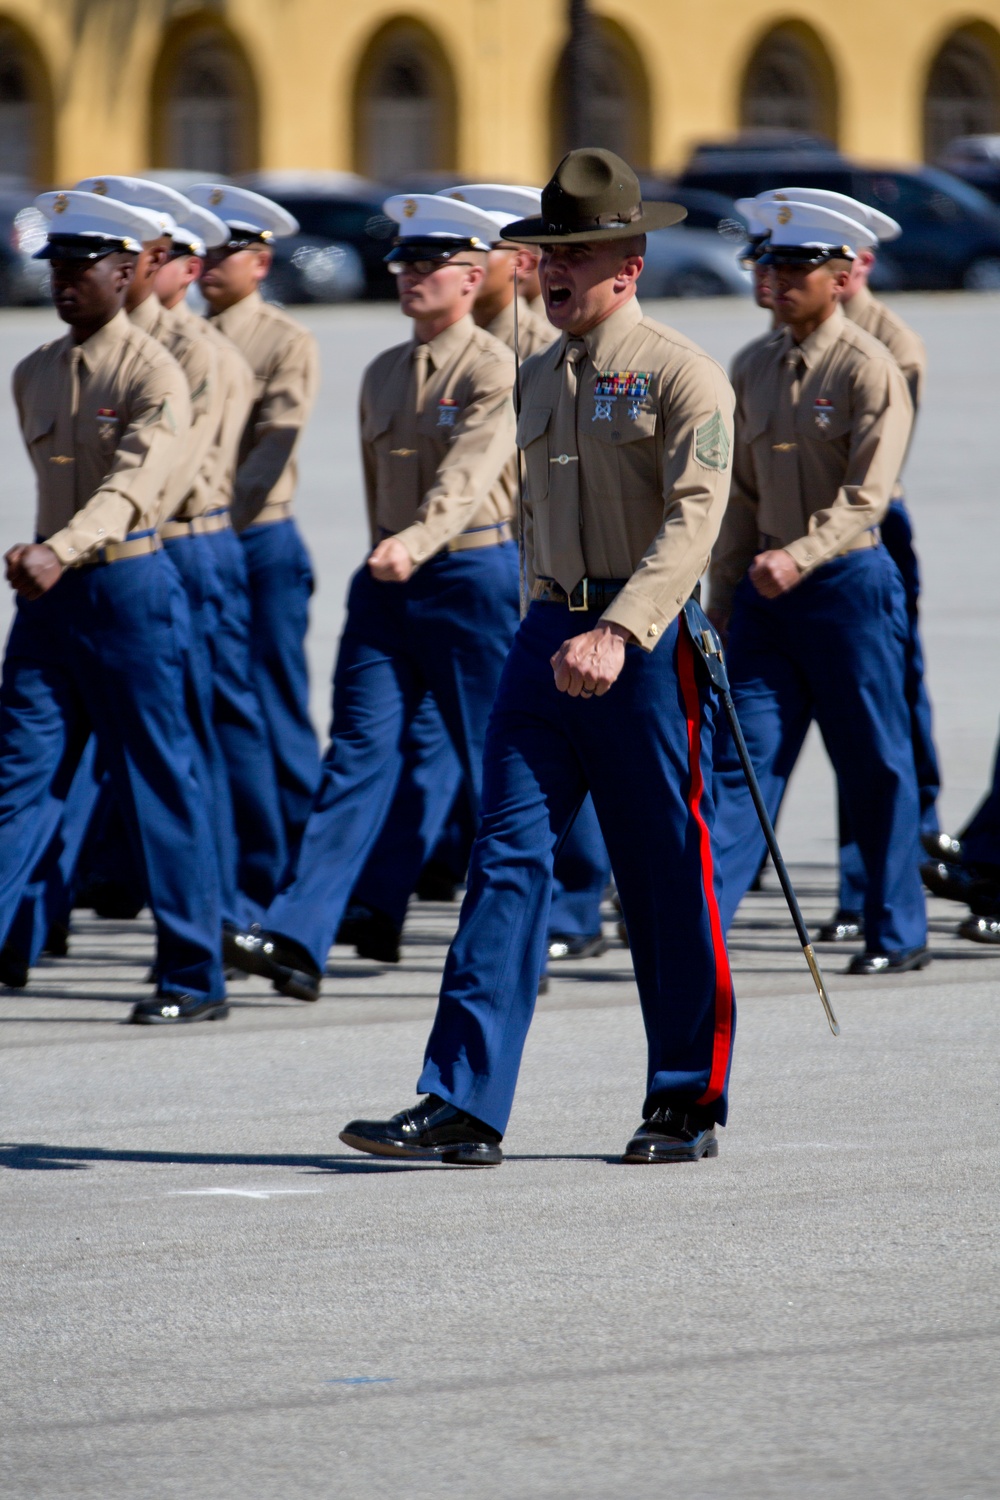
(774, 573)
(32, 569)
(390, 562)
(588, 665)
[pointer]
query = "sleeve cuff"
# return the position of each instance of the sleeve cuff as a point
(807, 553)
(417, 543)
(643, 618)
(64, 545)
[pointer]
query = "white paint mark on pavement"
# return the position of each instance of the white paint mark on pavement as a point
(218, 1192)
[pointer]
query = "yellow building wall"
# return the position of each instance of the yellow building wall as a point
(100, 58)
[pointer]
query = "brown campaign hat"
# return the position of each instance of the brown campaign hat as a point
(592, 195)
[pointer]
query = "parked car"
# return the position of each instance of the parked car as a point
(343, 239)
(976, 159)
(951, 232)
(24, 281)
(698, 257)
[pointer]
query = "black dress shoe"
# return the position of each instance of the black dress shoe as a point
(843, 927)
(270, 955)
(57, 940)
(980, 929)
(107, 898)
(900, 962)
(673, 1134)
(431, 1131)
(13, 968)
(942, 846)
(577, 947)
(175, 1010)
(372, 934)
(436, 883)
(965, 883)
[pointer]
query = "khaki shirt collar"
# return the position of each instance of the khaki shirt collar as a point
(819, 341)
(93, 350)
(445, 345)
(147, 314)
(241, 313)
(858, 304)
(604, 341)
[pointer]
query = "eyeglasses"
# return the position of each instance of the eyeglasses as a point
(424, 267)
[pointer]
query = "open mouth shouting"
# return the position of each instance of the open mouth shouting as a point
(557, 296)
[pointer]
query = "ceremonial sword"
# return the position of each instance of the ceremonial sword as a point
(522, 563)
(708, 644)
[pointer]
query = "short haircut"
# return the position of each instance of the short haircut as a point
(634, 245)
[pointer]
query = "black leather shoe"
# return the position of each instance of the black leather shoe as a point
(673, 1135)
(577, 947)
(108, 899)
(13, 968)
(436, 883)
(281, 960)
(900, 962)
(964, 883)
(57, 940)
(371, 933)
(431, 1131)
(942, 846)
(175, 1010)
(980, 929)
(843, 927)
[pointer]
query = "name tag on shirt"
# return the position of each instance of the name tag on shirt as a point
(610, 385)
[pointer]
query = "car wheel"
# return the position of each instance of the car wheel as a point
(983, 275)
(696, 283)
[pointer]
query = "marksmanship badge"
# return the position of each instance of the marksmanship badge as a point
(823, 412)
(447, 412)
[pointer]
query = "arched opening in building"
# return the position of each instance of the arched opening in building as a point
(205, 104)
(404, 105)
(615, 111)
(789, 84)
(963, 89)
(25, 111)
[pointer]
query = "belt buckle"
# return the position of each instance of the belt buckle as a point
(578, 609)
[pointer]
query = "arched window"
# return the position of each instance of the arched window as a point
(789, 85)
(615, 96)
(206, 117)
(963, 92)
(24, 133)
(404, 105)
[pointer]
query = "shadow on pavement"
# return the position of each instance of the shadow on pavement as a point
(37, 1157)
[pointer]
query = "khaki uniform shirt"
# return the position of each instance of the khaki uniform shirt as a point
(437, 432)
(236, 382)
(533, 333)
(104, 423)
(821, 431)
(186, 492)
(284, 359)
(627, 436)
(906, 348)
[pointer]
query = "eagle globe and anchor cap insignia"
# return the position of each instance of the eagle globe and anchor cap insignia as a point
(711, 443)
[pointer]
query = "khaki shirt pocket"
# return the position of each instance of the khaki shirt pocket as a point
(533, 441)
(822, 418)
(37, 426)
(623, 427)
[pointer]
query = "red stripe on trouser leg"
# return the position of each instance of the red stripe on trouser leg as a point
(722, 1037)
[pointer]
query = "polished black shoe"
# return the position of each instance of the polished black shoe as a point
(57, 940)
(900, 962)
(673, 1135)
(176, 1010)
(964, 883)
(431, 1131)
(436, 883)
(372, 934)
(942, 846)
(980, 929)
(13, 968)
(844, 927)
(109, 899)
(577, 947)
(281, 960)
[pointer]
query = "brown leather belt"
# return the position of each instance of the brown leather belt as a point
(861, 543)
(482, 536)
(590, 593)
(197, 525)
(277, 510)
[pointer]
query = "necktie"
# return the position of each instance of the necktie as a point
(785, 446)
(566, 521)
(421, 360)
